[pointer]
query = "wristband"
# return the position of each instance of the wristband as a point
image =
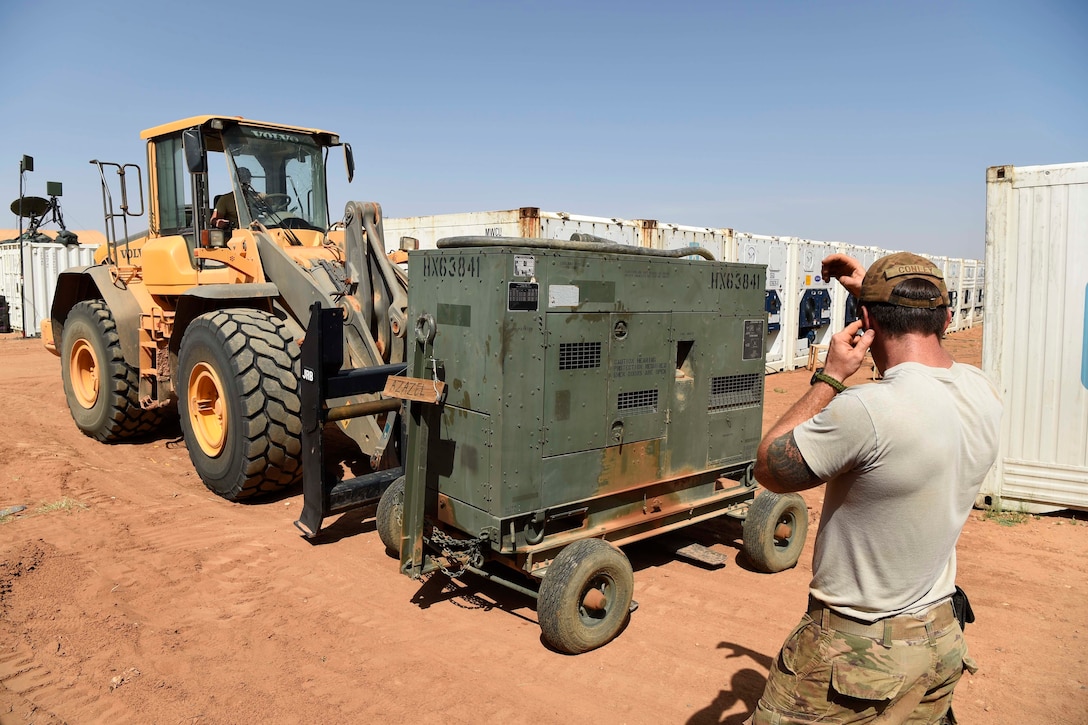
(820, 377)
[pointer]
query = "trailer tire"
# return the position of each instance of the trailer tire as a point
(590, 568)
(102, 389)
(775, 530)
(389, 518)
(239, 404)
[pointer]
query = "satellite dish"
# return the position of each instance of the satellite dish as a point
(31, 206)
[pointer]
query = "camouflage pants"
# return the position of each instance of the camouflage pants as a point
(899, 671)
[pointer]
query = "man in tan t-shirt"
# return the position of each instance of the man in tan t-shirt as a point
(903, 460)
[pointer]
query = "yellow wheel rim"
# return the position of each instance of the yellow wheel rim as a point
(207, 409)
(83, 371)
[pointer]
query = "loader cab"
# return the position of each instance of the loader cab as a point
(286, 184)
(273, 175)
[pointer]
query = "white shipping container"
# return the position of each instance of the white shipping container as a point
(1035, 342)
(527, 221)
(980, 293)
(943, 263)
(968, 293)
(29, 281)
(795, 289)
(845, 308)
(953, 280)
(814, 298)
(779, 297)
(719, 242)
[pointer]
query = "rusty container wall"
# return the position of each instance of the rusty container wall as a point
(577, 380)
(1035, 340)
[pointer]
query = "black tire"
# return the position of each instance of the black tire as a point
(567, 620)
(102, 389)
(769, 547)
(238, 402)
(389, 518)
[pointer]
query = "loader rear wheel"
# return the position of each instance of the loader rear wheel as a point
(102, 389)
(774, 531)
(238, 402)
(585, 597)
(389, 518)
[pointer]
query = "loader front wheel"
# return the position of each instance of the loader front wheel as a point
(774, 531)
(389, 518)
(102, 389)
(585, 597)
(238, 402)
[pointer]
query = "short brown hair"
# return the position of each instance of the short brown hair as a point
(897, 320)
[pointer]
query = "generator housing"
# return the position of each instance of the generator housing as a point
(586, 394)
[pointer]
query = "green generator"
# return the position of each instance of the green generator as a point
(566, 398)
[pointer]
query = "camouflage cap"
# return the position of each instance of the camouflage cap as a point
(887, 272)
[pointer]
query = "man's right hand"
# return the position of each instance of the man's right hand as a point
(846, 269)
(847, 351)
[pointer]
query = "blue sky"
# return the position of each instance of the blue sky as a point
(863, 122)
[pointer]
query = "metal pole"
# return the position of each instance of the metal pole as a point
(22, 243)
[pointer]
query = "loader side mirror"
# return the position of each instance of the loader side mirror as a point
(349, 159)
(193, 142)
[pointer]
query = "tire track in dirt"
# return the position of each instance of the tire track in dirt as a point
(37, 666)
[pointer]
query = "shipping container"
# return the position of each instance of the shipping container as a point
(953, 280)
(719, 242)
(528, 221)
(977, 314)
(28, 279)
(943, 263)
(813, 323)
(779, 295)
(968, 293)
(803, 309)
(845, 305)
(1035, 342)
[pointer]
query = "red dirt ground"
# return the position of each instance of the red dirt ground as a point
(130, 594)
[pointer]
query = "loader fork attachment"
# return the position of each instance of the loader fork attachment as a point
(324, 379)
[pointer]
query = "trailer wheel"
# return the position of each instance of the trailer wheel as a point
(389, 518)
(238, 402)
(775, 530)
(585, 597)
(102, 389)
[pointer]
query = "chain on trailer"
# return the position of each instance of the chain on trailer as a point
(461, 553)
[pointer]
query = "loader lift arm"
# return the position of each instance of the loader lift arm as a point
(323, 379)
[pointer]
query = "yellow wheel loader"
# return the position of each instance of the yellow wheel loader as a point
(207, 308)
